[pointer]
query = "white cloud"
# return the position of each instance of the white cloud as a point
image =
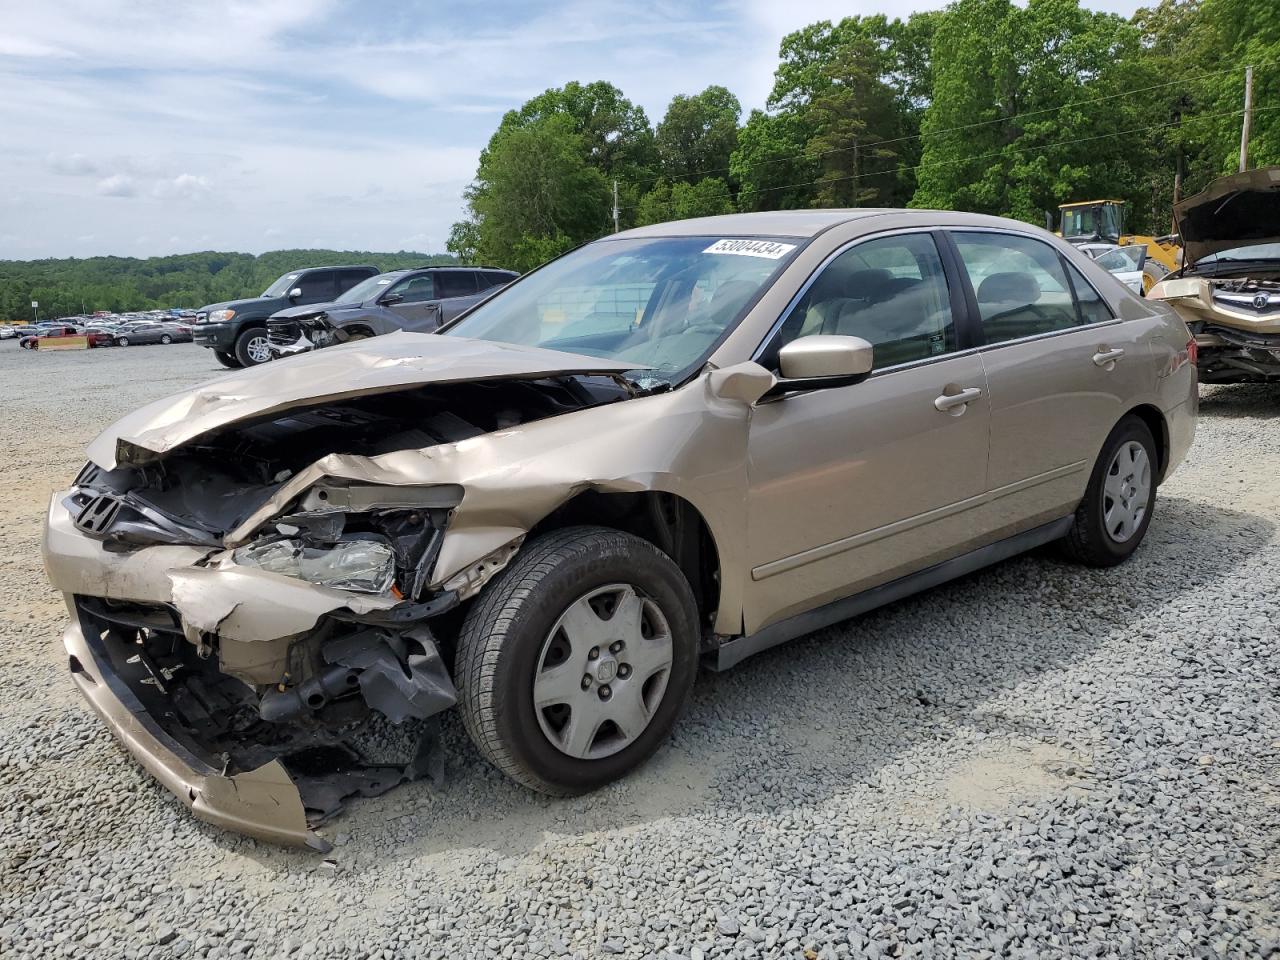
(117, 185)
(185, 186)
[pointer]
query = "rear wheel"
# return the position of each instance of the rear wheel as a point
(227, 359)
(165, 338)
(253, 347)
(575, 662)
(1116, 510)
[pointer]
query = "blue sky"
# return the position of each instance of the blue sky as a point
(160, 126)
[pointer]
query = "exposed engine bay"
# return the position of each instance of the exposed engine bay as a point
(288, 644)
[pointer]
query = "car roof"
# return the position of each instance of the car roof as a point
(804, 224)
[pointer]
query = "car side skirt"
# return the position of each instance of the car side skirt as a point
(738, 649)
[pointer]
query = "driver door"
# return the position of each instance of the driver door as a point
(851, 487)
(413, 301)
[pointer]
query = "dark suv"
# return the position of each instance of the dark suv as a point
(236, 331)
(418, 300)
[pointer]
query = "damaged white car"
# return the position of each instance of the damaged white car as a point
(687, 442)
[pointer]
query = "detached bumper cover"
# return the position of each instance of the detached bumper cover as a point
(263, 803)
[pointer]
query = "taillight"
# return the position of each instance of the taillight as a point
(1193, 351)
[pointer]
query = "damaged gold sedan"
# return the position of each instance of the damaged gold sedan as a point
(684, 443)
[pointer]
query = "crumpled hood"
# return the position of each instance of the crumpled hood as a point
(1235, 211)
(378, 365)
(235, 304)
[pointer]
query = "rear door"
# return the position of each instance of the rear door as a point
(855, 486)
(457, 292)
(1061, 370)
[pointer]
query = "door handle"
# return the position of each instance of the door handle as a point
(1107, 358)
(954, 403)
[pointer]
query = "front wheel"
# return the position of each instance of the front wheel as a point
(1116, 510)
(574, 663)
(253, 347)
(227, 360)
(122, 341)
(165, 338)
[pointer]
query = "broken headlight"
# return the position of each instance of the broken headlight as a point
(366, 566)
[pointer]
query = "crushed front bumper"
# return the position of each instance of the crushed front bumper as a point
(262, 803)
(183, 662)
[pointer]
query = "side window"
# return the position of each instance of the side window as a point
(890, 291)
(416, 289)
(1019, 283)
(455, 283)
(494, 280)
(1093, 309)
(316, 286)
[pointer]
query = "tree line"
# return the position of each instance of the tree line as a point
(72, 286)
(982, 106)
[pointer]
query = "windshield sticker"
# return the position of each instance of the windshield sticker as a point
(768, 249)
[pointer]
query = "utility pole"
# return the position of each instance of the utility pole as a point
(615, 206)
(1248, 118)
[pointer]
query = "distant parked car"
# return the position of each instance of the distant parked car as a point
(8, 331)
(1126, 264)
(151, 331)
(236, 331)
(92, 339)
(419, 300)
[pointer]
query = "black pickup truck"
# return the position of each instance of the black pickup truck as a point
(236, 331)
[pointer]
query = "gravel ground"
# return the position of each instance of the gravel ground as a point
(1037, 761)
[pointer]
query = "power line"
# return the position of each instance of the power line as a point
(980, 156)
(945, 130)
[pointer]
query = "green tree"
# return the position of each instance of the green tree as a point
(535, 195)
(857, 126)
(616, 137)
(681, 200)
(1017, 123)
(698, 134)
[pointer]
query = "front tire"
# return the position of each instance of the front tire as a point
(253, 347)
(227, 360)
(1116, 510)
(557, 693)
(122, 341)
(166, 339)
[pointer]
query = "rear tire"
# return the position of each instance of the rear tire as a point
(253, 347)
(508, 644)
(227, 360)
(1113, 517)
(166, 339)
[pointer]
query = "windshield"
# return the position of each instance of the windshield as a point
(659, 303)
(366, 289)
(281, 286)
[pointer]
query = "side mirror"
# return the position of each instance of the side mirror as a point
(814, 363)
(295, 293)
(391, 299)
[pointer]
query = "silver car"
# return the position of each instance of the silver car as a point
(681, 444)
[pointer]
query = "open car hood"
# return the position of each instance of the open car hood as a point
(384, 364)
(1235, 211)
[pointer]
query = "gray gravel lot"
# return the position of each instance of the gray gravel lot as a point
(1037, 761)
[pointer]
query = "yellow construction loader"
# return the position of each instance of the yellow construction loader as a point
(1102, 221)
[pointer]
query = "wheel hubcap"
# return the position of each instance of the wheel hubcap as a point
(602, 672)
(1126, 491)
(259, 350)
